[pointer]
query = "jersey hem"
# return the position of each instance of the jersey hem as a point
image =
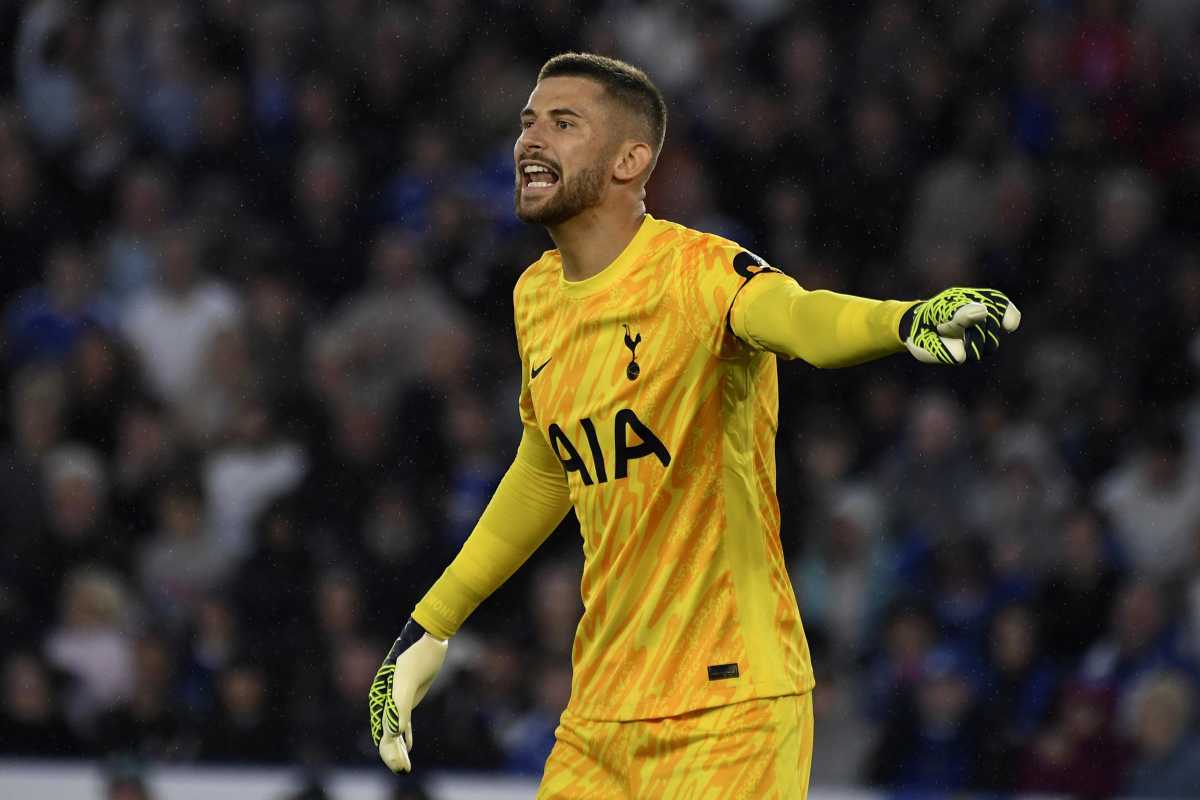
(665, 710)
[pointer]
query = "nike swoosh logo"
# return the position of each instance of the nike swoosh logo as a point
(533, 373)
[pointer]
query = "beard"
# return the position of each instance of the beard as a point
(574, 196)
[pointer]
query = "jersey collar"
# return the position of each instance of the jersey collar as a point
(614, 271)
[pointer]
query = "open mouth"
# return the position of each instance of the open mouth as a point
(537, 177)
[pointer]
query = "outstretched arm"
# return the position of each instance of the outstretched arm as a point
(828, 329)
(823, 328)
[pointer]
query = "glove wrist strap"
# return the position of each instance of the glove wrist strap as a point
(906, 322)
(409, 636)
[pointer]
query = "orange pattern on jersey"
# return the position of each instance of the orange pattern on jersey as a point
(756, 750)
(683, 566)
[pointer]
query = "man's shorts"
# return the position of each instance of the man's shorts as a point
(755, 749)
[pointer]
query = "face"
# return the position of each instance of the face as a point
(563, 128)
(1012, 639)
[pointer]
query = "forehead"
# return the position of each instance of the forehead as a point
(583, 95)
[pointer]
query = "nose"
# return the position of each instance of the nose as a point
(530, 141)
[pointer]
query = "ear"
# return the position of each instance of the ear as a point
(633, 159)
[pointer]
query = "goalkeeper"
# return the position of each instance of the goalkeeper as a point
(649, 400)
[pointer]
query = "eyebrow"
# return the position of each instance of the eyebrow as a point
(554, 112)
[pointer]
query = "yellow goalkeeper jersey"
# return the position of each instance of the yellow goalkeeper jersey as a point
(664, 423)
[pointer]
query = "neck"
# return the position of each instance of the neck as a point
(592, 240)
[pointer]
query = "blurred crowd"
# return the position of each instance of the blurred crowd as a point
(259, 376)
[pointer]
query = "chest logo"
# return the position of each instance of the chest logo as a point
(633, 370)
(631, 439)
(535, 371)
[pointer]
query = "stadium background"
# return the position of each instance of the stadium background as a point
(259, 376)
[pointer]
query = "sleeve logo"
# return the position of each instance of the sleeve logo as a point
(748, 265)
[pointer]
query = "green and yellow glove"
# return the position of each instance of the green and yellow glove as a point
(401, 683)
(958, 325)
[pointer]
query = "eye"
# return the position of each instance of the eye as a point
(563, 125)
(526, 123)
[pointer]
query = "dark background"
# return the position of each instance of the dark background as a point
(256, 262)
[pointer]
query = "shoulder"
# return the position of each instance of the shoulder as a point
(703, 251)
(673, 236)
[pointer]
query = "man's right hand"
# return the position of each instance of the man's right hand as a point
(401, 683)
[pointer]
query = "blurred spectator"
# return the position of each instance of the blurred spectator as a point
(1075, 603)
(184, 562)
(172, 95)
(325, 226)
(31, 723)
(1078, 754)
(927, 470)
(953, 198)
(275, 329)
(92, 645)
(338, 608)
(148, 726)
(476, 468)
(242, 731)
(145, 200)
(213, 645)
(146, 453)
(1140, 639)
(467, 712)
(379, 340)
(909, 636)
(107, 140)
(226, 375)
(1017, 695)
(398, 540)
(1153, 500)
(875, 164)
(1023, 491)
(171, 325)
(333, 725)
(273, 588)
(964, 592)
(51, 66)
(256, 465)
(848, 735)
(1128, 240)
(934, 745)
(408, 197)
(556, 608)
(1168, 760)
(46, 321)
(531, 736)
(845, 582)
(37, 400)
(79, 530)
(28, 225)
(222, 144)
(102, 384)
(359, 455)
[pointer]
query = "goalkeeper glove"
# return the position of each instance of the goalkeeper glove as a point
(958, 325)
(401, 683)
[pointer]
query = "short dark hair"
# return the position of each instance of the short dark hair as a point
(627, 84)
